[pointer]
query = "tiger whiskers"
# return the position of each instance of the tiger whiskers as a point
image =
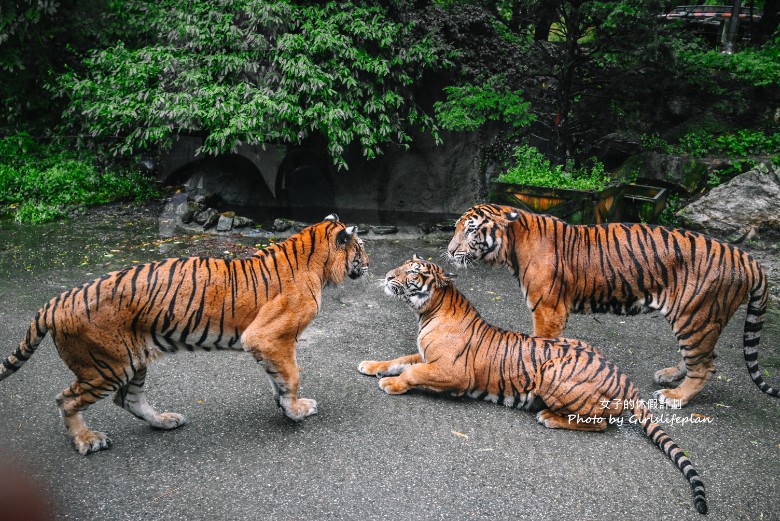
(465, 260)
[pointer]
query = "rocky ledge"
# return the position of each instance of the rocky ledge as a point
(196, 216)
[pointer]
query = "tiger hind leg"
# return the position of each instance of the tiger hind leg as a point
(694, 381)
(697, 350)
(574, 400)
(573, 422)
(132, 398)
(72, 402)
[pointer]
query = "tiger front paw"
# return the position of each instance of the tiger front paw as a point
(297, 410)
(371, 367)
(393, 385)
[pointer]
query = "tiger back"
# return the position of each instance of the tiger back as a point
(108, 331)
(696, 282)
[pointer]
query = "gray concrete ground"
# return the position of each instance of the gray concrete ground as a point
(368, 455)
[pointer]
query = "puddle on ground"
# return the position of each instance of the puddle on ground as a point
(104, 239)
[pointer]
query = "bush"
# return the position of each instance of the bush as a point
(734, 145)
(668, 215)
(534, 169)
(43, 185)
(759, 67)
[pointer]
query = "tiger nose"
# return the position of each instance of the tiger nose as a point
(452, 247)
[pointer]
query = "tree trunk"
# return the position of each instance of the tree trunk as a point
(733, 26)
(545, 15)
(769, 22)
(566, 83)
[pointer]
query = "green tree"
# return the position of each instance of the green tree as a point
(253, 71)
(38, 39)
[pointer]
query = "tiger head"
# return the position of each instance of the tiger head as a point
(479, 234)
(415, 281)
(350, 245)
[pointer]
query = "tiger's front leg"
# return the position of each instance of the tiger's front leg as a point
(423, 375)
(549, 321)
(388, 367)
(277, 354)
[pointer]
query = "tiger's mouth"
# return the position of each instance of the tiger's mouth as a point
(358, 272)
(460, 259)
(394, 289)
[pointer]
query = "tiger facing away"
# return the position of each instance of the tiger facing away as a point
(696, 282)
(461, 354)
(108, 331)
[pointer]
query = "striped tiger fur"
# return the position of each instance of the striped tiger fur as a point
(696, 282)
(460, 353)
(109, 330)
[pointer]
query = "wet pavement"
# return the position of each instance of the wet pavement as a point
(366, 455)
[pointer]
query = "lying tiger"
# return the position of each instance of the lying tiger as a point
(109, 330)
(460, 353)
(696, 282)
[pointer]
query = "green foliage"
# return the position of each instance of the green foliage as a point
(654, 142)
(534, 169)
(469, 107)
(668, 216)
(740, 144)
(43, 185)
(38, 39)
(253, 71)
(739, 147)
(759, 67)
(17, 21)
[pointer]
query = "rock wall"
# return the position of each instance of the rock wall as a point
(406, 184)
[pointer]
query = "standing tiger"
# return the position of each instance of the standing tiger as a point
(109, 330)
(696, 282)
(460, 353)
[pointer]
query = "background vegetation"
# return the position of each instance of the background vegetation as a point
(88, 86)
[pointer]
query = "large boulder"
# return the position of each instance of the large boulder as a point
(747, 205)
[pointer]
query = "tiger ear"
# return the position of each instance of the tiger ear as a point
(511, 216)
(416, 257)
(343, 236)
(332, 218)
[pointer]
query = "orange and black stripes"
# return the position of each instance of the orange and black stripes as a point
(26, 349)
(662, 440)
(696, 282)
(107, 331)
(570, 383)
(183, 302)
